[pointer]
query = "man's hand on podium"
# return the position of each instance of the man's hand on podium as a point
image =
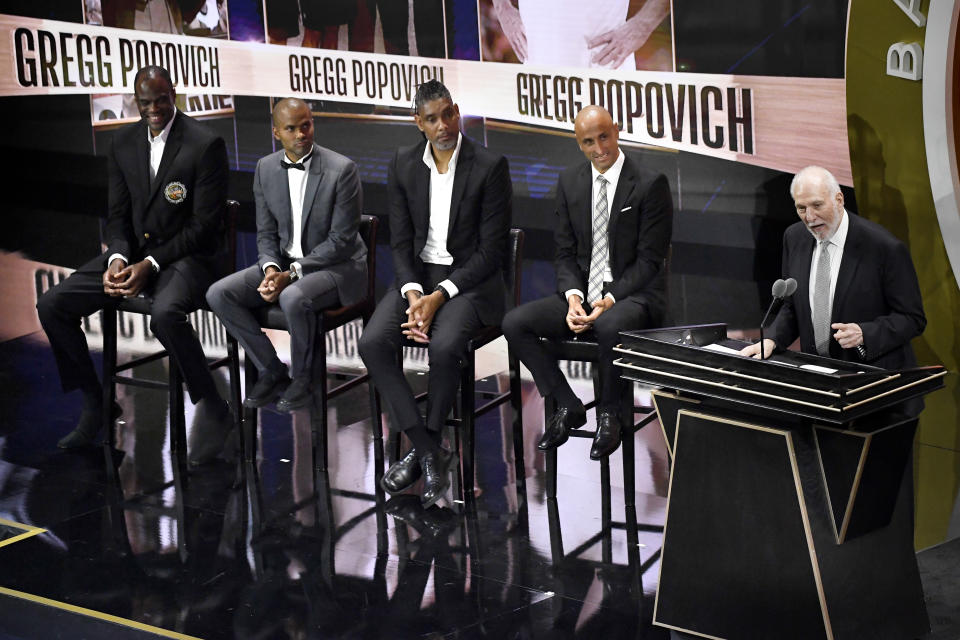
(753, 350)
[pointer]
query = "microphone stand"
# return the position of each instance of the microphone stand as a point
(779, 290)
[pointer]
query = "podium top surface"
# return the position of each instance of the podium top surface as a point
(702, 359)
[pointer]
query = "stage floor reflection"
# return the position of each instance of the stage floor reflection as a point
(131, 544)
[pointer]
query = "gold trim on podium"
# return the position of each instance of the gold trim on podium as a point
(656, 393)
(801, 503)
(627, 365)
(731, 372)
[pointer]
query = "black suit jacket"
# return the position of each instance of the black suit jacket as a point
(639, 231)
(180, 213)
(480, 214)
(876, 288)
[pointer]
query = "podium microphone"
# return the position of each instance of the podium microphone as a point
(781, 290)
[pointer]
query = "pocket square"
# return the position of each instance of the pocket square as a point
(625, 209)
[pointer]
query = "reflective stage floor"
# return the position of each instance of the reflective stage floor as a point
(129, 545)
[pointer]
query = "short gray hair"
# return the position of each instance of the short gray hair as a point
(825, 175)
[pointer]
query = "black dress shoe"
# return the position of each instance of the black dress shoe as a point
(432, 522)
(269, 386)
(297, 395)
(436, 475)
(402, 474)
(212, 425)
(87, 429)
(607, 438)
(558, 429)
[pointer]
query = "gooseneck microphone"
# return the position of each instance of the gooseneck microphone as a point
(781, 290)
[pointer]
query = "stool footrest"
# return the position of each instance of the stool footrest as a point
(140, 382)
(136, 362)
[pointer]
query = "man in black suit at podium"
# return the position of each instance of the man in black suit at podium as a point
(857, 296)
(613, 227)
(167, 193)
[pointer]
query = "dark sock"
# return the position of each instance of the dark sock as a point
(564, 396)
(422, 440)
(93, 398)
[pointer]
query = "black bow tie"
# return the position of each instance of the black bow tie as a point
(296, 165)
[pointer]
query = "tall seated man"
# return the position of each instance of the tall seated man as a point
(450, 208)
(612, 234)
(857, 294)
(164, 233)
(311, 256)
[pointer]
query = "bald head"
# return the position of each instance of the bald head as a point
(293, 127)
(286, 105)
(597, 136)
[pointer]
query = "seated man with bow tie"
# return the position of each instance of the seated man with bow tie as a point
(311, 256)
(613, 227)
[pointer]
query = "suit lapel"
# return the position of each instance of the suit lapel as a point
(848, 267)
(625, 186)
(170, 151)
(582, 206)
(462, 172)
(279, 187)
(142, 159)
(313, 183)
(801, 267)
(420, 200)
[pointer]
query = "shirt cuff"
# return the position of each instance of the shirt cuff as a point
(451, 288)
(296, 266)
(410, 286)
(570, 292)
(612, 299)
(271, 264)
(115, 256)
(156, 265)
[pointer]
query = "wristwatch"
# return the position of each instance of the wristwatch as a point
(295, 273)
(444, 292)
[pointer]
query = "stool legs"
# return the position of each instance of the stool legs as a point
(108, 324)
(318, 407)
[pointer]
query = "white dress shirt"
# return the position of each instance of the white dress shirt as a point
(837, 241)
(612, 176)
(157, 144)
(297, 184)
(441, 195)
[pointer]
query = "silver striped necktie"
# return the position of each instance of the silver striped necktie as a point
(821, 301)
(598, 257)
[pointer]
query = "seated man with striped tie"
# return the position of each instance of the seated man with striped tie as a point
(857, 295)
(612, 233)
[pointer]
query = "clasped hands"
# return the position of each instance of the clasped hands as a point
(420, 315)
(121, 280)
(577, 319)
(274, 281)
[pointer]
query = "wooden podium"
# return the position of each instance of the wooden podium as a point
(790, 510)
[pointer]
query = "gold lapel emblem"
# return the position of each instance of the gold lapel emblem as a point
(175, 192)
